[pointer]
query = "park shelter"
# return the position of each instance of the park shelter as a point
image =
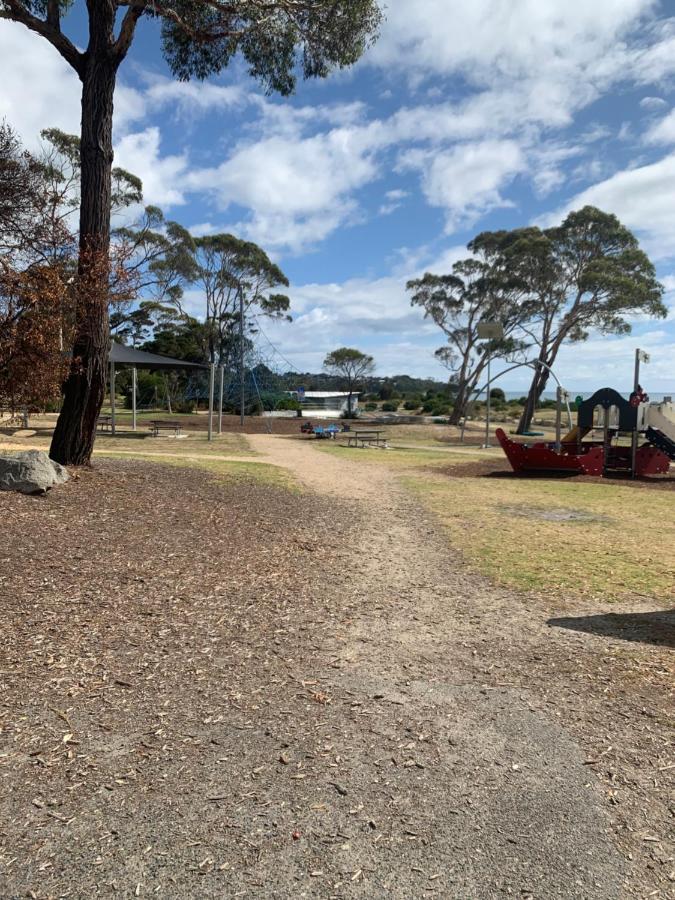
(121, 356)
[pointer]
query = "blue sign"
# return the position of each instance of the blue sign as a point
(301, 393)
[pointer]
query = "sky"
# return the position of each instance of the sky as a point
(463, 117)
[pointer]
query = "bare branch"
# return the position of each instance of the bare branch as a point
(16, 12)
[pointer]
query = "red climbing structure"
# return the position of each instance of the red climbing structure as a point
(634, 417)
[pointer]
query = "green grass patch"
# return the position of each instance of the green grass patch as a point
(603, 541)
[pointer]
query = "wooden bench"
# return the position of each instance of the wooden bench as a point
(366, 438)
(157, 425)
(104, 423)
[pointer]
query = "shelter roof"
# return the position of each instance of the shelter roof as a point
(122, 355)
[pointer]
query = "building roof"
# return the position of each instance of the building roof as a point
(326, 395)
(122, 355)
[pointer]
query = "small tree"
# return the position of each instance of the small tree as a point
(351, 366)
(587, 274)
(199, 38)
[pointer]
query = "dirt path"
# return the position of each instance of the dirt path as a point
(510, 791)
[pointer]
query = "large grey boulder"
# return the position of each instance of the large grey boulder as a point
(30, 472)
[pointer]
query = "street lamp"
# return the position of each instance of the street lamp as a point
(489, 331)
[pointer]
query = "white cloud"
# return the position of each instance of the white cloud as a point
(641, 198)
(466, 180)
(297, 190)
(663, 131)
(653, 103)
(39, 89)
(162, 176)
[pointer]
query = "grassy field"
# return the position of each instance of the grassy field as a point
(604, 541)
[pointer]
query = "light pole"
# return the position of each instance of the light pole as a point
(489, 331)
(640, 356)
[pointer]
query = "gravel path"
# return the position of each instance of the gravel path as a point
(229, 690)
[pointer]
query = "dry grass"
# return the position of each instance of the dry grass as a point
(140, 443)
(620, 546)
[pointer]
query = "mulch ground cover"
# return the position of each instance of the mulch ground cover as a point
(150, 625)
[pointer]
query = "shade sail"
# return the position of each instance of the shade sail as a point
(122, 355)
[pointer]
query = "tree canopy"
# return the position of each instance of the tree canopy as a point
(589, 273)
(351, 366)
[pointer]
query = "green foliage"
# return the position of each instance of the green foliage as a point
(389, 406)
(370, 407)
(497, 394)
(200, 39)
(588, 273)
(350, 366)
(412, 404)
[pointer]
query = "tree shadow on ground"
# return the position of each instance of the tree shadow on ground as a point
(657, 627)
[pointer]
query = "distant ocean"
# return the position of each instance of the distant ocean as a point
(550, 395)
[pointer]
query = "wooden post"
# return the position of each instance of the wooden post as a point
(212, 378)
(133, 398)
(220, 401)
(634, 436)
(558, 417)
(112, 397)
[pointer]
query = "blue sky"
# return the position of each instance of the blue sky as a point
(464, 117)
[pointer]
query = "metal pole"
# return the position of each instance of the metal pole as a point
(487, 414)
(212, 380)
(112, 397)
(242, 398)
(220, 401)
(634, 436)
(558, 417)
(133, 398)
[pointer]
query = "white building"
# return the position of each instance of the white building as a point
(325, 404)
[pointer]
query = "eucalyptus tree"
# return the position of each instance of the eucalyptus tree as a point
(237, 281)
(587, 274)
(199, 38)
(478, 290)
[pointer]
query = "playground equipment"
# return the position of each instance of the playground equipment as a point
(620, 418)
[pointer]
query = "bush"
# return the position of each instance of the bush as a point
(411, 404)
(390, 406)
(346, 414)
(186, 407)
(370, 407)
(497, 394)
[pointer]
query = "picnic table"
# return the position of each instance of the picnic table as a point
(104, 423)
(157, 425)
(365, 438)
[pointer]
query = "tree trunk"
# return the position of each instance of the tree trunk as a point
(537, 388)
(459, 406)
(84, 389)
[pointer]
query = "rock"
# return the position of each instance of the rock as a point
(30, 472)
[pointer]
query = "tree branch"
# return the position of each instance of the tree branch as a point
(16, 12)
(127, 30)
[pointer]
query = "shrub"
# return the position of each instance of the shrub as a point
(497, 394)
(369, 407)
(390, 406)
(411, 404)
(186, 407)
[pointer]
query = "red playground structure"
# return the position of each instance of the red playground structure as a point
(636, 418)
